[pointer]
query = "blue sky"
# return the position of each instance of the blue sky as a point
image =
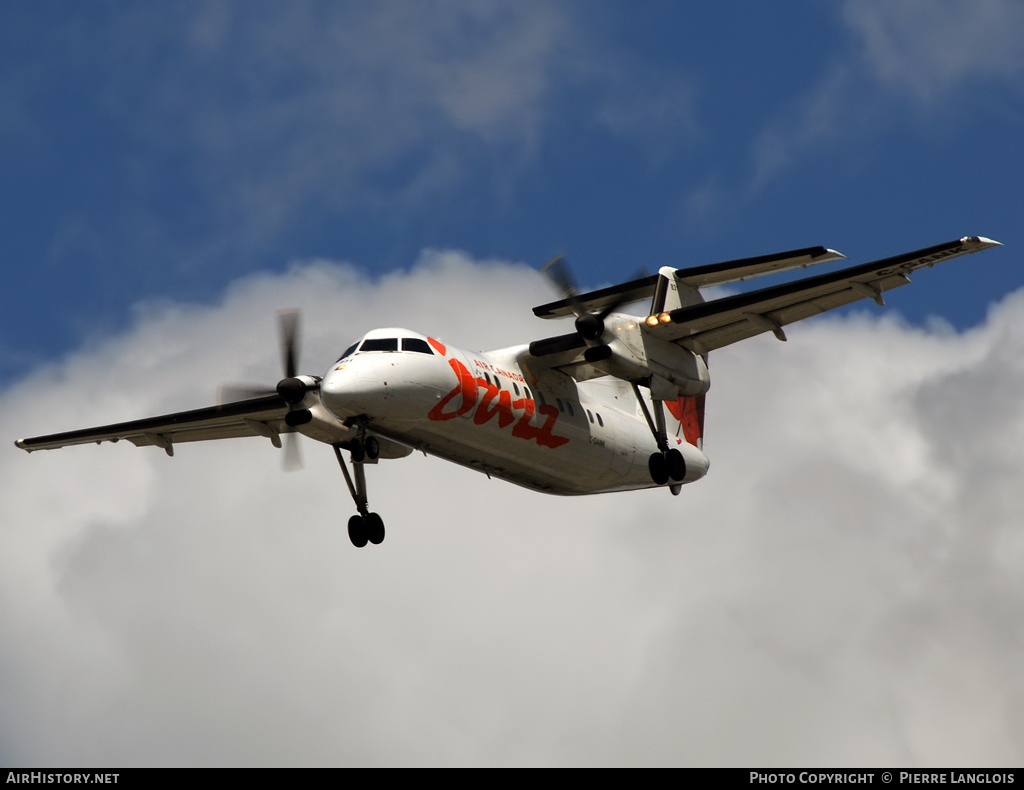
(160, 153)
(846, 586)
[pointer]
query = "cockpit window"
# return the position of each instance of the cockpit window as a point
(419, 345)
(380, 344)
(416, 344)
(348, 352)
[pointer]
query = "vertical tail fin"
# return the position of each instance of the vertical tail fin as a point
(688, 414)
(671, 293)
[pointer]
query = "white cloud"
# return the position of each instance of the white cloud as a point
(908, 57)
(926, 48)
(378, 105)
(269, 112)
(845, 586)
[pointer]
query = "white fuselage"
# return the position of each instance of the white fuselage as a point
(489, 411)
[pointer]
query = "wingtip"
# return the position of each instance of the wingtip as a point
(981, 241)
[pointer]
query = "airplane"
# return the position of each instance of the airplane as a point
(615, 405)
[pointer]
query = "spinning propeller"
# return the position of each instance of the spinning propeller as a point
(291, 388)
(589, 325)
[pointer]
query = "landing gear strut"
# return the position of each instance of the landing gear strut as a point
(364, 527)
(666, 464)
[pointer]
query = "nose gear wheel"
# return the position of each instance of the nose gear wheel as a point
(364, 527)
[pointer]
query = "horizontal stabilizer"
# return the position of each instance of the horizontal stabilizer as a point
(745, 268)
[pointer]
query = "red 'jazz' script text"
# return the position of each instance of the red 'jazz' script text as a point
(490, 402)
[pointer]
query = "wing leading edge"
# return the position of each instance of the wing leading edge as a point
(254, 417)
(694, 277)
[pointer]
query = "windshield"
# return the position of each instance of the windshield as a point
(380, 344)
(415, 344)
(348, 352)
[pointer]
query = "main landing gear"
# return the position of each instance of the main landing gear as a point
(364, 527)
(666, 464)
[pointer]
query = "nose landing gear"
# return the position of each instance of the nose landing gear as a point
(364, 527)
(364, 449)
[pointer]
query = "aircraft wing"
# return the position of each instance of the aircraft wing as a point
(696, 277)
(254, 417)
(710, 325)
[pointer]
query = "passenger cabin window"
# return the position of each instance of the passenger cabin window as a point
(417, 344)
(380, 344)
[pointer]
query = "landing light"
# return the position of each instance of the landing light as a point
(652, 320)
(665, 318)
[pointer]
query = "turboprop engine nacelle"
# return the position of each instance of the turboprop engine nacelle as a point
(680, 366)
(634, 355)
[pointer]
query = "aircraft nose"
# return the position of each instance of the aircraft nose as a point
(348, 390)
